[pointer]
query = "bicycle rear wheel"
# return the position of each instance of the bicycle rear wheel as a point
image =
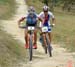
(30, 48)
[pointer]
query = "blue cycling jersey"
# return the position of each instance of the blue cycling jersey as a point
(31, 19)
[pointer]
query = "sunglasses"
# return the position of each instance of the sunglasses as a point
(45, 11)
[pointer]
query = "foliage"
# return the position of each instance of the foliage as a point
(66, 4)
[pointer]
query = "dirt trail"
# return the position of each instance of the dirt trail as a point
(61, 58)
(11, 26)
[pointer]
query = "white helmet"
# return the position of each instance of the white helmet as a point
(31, 10)
(45, 8)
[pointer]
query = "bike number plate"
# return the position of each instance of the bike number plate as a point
(31, 28)
(44, 29)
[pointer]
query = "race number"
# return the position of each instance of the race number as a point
(44, 29)
(31, 28)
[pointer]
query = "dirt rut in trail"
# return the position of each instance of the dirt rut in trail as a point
(60, 57)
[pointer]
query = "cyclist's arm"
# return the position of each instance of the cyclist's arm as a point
(21, 20)
(40, 19)
(53, 18)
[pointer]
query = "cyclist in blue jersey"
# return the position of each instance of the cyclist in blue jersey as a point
(31, 20)
(46, 15)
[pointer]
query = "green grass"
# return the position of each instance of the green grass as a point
(11, 51)
(63, 32)
(7, 8)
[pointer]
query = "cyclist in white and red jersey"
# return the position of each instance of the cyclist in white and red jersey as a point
(46, 15)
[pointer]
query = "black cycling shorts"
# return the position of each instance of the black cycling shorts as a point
(31, 24)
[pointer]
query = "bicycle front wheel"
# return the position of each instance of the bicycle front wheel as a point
(45, 49)
(30, 48)
(48, 46)
(49, 50)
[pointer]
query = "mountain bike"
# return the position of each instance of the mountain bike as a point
(47, 47)
(31, 33)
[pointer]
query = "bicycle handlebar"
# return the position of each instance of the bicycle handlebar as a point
(23, 27)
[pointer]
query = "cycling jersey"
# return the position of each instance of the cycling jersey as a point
(31, 20)
(46, 20)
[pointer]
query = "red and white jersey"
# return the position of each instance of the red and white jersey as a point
(47, 19)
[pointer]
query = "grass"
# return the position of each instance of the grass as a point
(63, 32)
(7, 8)
(11, 51)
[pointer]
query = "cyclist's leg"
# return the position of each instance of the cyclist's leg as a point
(44, 38)
(26, 39)
(50, 38)
(35, 36)
(35, 39)
(40, 39)
(49, 34)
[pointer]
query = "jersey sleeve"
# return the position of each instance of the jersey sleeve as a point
(51, 14)
(40, 15)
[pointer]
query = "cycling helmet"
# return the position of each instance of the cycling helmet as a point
(31, 10)
(45, 8)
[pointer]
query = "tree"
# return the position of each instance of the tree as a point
(46, 2)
